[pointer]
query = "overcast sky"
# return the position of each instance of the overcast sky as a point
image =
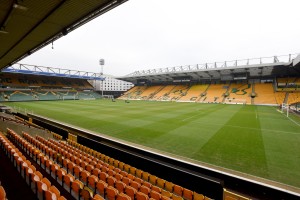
(148, 34)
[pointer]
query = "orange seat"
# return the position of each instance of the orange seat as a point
(152, 179)
(111, 193)
(92, 180)
(155, 195)
(103, 176)
(126, 180)
(118, 176)
(86, 193)
(147, 184)
(139, 180)
(54, 169)
(197, 196)
(50, 195)
(156, 189)
(98, 197)
(70, 167)
(55, 191)
(166, 193)
(160, 183)
(141, 196)
(187, 194)
(135, 185)
(111, 181)
(111, 172)
(178, 190)
(68, 179)
(84, 176)
(120, 186)
(145, 190)
(60, 175)
(122, 196)
(76, 188)
(101, 187)
(145, 176)
(169, 186)
(130, 191)
(77, 170)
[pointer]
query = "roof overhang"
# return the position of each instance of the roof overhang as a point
(226, 71)
(27, 26)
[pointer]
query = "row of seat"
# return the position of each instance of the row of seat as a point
(87, 166)
(139, 174)
(78, 192)
(40, 185)
(76, 182)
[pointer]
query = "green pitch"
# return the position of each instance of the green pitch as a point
(256, 140)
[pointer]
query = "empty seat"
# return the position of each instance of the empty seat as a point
(101, 187)
(111, 193)
(178, 190)
(155, 195)
(169, 186)
(197, 196)
(152, 179)
(92, 180)
(98, 197)
(122, 196)
(86, 193)
(160, 183)
(84, 176)
(135, 185)
(68, 179)
(76, 188)
(145, 190)
(141, 196)
(120, 186)
(187, 194)
(130, 191)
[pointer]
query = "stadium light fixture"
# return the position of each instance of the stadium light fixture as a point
(101, 62)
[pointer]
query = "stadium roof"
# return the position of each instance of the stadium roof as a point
(27, 26)
(275, 66)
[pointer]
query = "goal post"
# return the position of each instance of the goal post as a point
(285, 107)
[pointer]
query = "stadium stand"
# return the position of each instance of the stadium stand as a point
(194, 93)
(163, 94)
(239, 93)
(98, 174)
(293, 97)
(150, 91)
(215, 93)
(265, 94)
(33, 88)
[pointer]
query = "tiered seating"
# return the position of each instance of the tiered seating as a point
(133, 93)
(21, 80)
(150, 91)
(178, 91)
(135, 181)
(93, 173)
(293, 98)
(215, 93)
(288, 84)
(194, 93)
(239, 93)
(162, 95)
(280, 96)
(40, 185)
(46, 95)
(264, 94)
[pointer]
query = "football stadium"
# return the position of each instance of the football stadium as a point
(223, 130)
